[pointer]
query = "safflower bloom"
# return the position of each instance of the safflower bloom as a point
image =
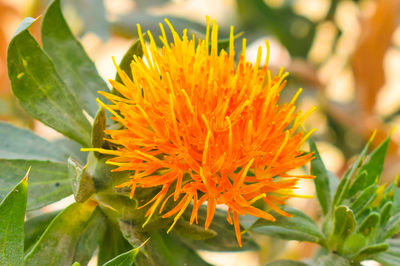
(208, 129)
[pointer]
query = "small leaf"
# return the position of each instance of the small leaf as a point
(364, 199)
(62, 236)
(331, 259)
(373, 168)
(34, 228)
(40, 90)
(369, 224)
(321, 179)
(18, 143)
(99, 125)
(385, 212)
(343, 225)
(82, 184)
(70, 59)
(344, 184)
(125, 259)
(370, 251)
(125, 64)
(392, 227)
(299, 227)
(286, 263)
(112, 244)
(12, 213)
(394, 247)
(49, 177)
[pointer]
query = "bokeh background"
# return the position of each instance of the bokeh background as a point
(345, 54)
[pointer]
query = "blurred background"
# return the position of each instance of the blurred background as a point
(345, 54)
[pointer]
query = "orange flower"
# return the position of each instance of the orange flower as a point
(207, 128)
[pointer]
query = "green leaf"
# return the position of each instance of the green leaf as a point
(82, 183)
(370, 251)
(125, 259)
(40, 90)
(286, 263)
(387, 259)
(90, 237)
(344, 184)
(99, 125)
(168, 251)
(298, 227)
(72, 148)
(18, 143)
(57, 245)
(369, 224)
(385, 212)
(125, 64)
(48, 181)
(112, 244)
(12, 213)
(364, 199)
(372, 168)
(321, 179)
(34, 228)
(392, 227)
(70, 59)
(343, 225)
(394, 247)
(225, 239)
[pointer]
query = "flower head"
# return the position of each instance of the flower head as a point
(205, 129)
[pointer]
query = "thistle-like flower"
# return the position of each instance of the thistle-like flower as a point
(205, 129)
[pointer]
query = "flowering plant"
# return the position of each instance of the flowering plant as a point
(191, 140)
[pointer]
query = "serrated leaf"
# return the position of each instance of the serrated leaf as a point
(18, 143)
(62, 236)
(321, 180)
(225, 240)
(364, 199)
(369, 224)
(70, 59)
(392, 227)
(298, 227)
(373, 168)
(51, 177)
(82, 184)
(125, 64)
(40, 90)
(112, 244)
(34, 228)
(124, 259)
(12, 213)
